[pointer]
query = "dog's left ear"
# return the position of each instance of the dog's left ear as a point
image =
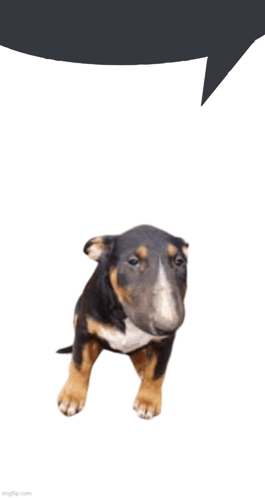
(185, 248)
(99, 246)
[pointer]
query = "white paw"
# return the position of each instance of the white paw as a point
(70, 406)
(145, 410)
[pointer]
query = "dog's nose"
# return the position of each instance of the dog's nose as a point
(162, 332)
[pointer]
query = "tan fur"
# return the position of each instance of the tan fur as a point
(117, 339)
(172, 250)
(185, 250)
(123, 294)
(142, 252)
(94, 327)
(72, 397)
(148, 400)
(140, 360)
(96, 249)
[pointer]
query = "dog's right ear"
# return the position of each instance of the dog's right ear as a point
(99, 246)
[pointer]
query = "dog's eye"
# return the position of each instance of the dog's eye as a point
(133, 261)
(178, 261)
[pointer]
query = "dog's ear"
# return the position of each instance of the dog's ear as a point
(185, 248)
(97, 247)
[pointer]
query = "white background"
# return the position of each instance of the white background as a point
(89, 151)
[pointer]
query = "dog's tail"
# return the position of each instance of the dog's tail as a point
(69, 349)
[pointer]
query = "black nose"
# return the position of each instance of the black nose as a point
(163, 332)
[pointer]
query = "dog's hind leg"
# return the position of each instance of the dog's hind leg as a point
(72, 397)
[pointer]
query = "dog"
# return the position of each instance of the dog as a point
(133, 304)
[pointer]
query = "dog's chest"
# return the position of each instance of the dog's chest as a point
(132, 339)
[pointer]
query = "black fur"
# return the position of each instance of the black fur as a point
(163, 350)
(67, 350)
(143, 268)
(100, 301)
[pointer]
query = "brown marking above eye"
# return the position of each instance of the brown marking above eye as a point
(142, 252)
(123, 294)
(172, 250)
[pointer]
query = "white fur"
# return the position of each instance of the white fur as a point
(164, 302)
(133, 338)
(94, 252)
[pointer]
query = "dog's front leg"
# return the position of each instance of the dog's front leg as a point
(150, 363)
(72, 397)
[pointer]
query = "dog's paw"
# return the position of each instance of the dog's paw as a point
(70, 403)
(146, 408)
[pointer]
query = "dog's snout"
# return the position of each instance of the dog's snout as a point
(163, 332)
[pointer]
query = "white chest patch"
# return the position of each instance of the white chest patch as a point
(132, 339)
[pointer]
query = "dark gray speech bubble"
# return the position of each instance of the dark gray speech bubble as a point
(128, 32)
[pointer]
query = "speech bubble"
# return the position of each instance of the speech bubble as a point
(130, 32)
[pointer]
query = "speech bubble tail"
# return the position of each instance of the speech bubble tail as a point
(219, 64)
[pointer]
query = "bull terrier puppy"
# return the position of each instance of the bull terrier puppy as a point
(133, 304)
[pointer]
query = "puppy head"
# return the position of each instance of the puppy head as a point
(146, 269)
